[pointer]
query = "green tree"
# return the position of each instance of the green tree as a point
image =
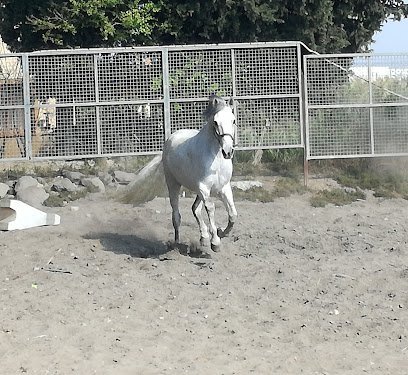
(324, 25)
(37, 24)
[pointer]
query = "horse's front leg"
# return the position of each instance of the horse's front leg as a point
(210, 208)
(228, 200)
(197, 208)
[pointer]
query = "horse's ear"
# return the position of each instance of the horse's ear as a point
(231, 102)
(215, 101)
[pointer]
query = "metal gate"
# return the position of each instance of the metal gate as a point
(68, 104)
(356, 105)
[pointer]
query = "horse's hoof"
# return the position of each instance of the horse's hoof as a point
(220, 233)
(171, 245)
(215, 248)
(204, 242)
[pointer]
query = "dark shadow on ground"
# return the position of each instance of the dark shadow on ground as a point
(139, 247)
(131, 245)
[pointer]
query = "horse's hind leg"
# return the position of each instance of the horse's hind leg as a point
(228, 200)
(196, 208)
(174, 192)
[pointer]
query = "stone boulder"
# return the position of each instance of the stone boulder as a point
(4, 188)
(73, 175)
(32, 195)
(26, 181)
(61, 184)
(94, 184)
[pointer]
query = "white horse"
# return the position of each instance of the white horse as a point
(201, 161)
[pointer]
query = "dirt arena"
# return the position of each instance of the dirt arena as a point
(295, 290)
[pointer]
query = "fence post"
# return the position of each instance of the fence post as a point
(27, 109)
(166, 92)
(304, 114)
(98, 119)
(370, 111)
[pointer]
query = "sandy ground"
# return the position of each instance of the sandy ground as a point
(295, 290)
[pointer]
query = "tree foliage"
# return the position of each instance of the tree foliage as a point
(37, 24)
(324, 25)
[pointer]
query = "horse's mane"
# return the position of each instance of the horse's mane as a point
(215, 104)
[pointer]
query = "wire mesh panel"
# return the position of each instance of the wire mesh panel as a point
(337, 80)
(74, 133)
(66, 78)
(12, 125)
(339, 132)
(269, 123)
(389, 77)
(356, 105)
(12, 134)
(198, 73)
(130, 76)
(391, 130)
(187, 115)
(267, 71)
(11, 81)
(135, 128)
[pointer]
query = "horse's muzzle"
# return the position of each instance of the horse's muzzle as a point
(228, 155)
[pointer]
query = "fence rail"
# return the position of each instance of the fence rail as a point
(125, 101)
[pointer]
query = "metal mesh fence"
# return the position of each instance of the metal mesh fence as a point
(391, 130)
(187, 114)
(339, 131)
(267, 71)
(269, 122)
(129, 76)
(356, 105)
(66, 78)
(73, 132)
(12, 125)
(88, 103)
(125, 101)
(12, 133)
(332, 81)
(197, 73)
(131, 129)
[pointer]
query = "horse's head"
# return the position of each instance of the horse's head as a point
(223, 123)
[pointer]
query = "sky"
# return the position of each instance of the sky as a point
(393, 37)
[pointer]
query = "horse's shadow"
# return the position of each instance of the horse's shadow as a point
(138, 247)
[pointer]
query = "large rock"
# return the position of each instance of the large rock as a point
(32, 195)
(63, 184)
(94, 184)
(4, 188)
(26, 181)
(73, 175)
(105, 177)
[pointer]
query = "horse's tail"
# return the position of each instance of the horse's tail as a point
(148, 184)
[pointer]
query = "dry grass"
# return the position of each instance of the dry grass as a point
(338, 197)
(283, 187)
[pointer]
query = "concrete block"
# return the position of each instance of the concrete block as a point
(15, 214)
